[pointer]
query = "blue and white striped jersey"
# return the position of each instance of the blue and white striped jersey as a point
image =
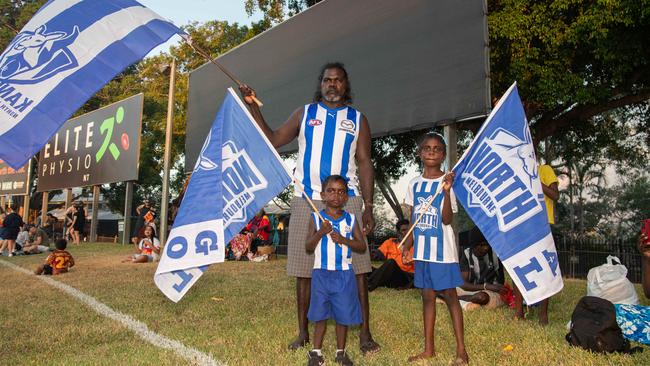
(329, 255)
(433, 241)
(327, 145)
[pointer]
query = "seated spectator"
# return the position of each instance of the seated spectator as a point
(59, 261)
(393, 273)
(148, 249)
(22, 237)
(260, 228)
(482, 272)
(240, 245)
(37, 241)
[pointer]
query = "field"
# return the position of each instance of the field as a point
(244, 314)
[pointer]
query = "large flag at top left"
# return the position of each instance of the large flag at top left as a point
(64, 55)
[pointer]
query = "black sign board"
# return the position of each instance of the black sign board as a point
(99, 147)
(13, 182)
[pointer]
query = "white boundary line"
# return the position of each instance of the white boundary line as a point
(190, 354)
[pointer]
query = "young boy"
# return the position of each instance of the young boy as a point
(334, 293)
(59, 261)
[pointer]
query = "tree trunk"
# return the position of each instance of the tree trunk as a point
(390, 197)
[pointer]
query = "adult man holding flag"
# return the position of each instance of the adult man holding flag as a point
(236, 174)
(61, 57)
(498, 184)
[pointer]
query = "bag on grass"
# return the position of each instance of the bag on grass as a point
(594, 327)
(609, 281)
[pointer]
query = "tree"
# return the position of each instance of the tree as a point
(573, 60)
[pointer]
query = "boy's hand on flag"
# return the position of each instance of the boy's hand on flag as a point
(325, 228)
(448, 181)
(338, 238)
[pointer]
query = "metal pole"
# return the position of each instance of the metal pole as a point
(168, 153)
(27, 192)
(128, 197)
(93, 220)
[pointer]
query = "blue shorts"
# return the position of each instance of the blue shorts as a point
(334, 295)
(437, 276)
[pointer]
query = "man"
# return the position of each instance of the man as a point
(37, 241)
(551, 195)
(334, 138)
(394, 273)
(482, 273)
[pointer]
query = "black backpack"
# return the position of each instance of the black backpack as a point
(594, 327)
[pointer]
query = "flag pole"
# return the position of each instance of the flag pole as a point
(229, 74)
(164, 204)
(426, 207)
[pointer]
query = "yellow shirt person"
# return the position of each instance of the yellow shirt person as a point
(551, 193)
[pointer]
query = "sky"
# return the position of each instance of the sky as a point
(182, 12)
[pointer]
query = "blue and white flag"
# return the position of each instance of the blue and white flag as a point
(64, 55)
(236, 174)
(497, 183)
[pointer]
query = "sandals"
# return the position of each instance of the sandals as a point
(369, 347)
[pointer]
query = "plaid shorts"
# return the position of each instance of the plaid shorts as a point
(299, 262)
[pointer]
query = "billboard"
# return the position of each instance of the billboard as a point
(99, 147)
(12, 182)
(412, 64)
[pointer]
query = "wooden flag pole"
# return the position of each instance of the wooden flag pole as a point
(232, 77)
(426, 207)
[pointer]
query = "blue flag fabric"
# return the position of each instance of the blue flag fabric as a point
(64, 55)
(236, 174)
(497, 183)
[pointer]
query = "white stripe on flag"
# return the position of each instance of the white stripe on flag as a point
(88, 44)
(49, 12)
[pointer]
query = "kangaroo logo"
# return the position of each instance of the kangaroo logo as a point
(203, 162)
(36, 56)
(429, 217)
(508, 145)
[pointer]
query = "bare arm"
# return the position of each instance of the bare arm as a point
(447, 213)
(283, 135)
(356, 243)
(551, 191)
(366, 175)
(315, 236)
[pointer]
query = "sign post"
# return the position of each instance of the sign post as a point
(93, 220)
(128, 198)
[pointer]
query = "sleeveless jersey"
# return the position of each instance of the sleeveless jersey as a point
(327, 145)
(433, 241)
(328, 254)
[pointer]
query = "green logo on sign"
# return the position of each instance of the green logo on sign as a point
(106, 129)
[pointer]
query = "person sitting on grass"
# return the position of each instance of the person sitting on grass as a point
(37, 241)
(334, 293)
(22, 237)
(147, 250)
(482, 274)
(59, 261)
(394, 273)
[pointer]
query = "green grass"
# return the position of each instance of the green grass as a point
(244, 314)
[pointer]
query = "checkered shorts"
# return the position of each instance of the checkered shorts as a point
(300, 263)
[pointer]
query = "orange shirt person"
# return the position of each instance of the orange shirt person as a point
(393, 273)
(59, 261)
